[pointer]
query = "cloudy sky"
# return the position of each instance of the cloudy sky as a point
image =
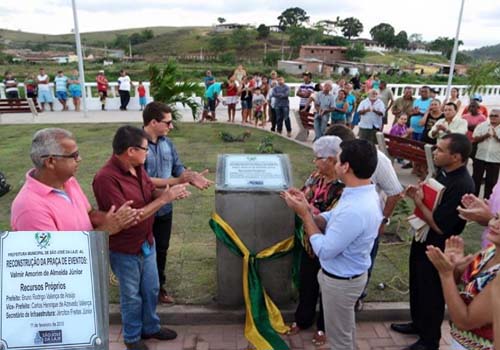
(430, 18)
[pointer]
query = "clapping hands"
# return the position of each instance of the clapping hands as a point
(296, 201)
(452, 258)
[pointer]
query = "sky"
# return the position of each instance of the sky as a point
(431, 18)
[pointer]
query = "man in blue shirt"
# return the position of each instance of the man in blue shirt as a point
(349, 231)
(165, 169)
(280, 93)
(420, 107)
(61, 82)
(212, 98)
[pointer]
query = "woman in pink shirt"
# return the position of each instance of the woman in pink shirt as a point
(474, 117)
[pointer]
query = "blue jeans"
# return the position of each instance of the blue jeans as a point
(283, 115)
(139, 286)
(320, 123)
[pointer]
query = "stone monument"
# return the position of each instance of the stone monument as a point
(247, 198)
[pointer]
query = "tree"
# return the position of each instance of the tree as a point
(383, 33)
(300, 36)
(356, 51)
(292, 17)
(218, 43)
(415, 38)
(121, 41)
(221, 20)
(401, 40)
(351, 27)
(335, 41)
(263, 31)
(168, 87)
(445, 45)
(240, 38)
(482, 74)
(147, 34)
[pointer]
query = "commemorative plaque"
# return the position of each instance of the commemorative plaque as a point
(53, 290)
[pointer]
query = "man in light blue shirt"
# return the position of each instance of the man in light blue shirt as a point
(61, 83)
(165, 168)
(420, 107)
(349, 233)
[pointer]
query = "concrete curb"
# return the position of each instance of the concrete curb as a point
(213, 314)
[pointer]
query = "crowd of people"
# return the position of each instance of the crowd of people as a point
(344, 205)
(38, 88)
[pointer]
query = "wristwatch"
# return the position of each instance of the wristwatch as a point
(386, 221)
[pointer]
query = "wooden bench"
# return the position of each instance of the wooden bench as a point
(18, 105)
(400, 147)
(305, 122)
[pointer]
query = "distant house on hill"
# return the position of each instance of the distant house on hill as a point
(275, 29)
(328, 54)
(229, 26)
(301, 65)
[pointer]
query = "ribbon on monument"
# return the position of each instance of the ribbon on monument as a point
(263, 320)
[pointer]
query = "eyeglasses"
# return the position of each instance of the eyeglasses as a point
(145, 149)
(319, 158)
(75, 155)
(494, 115)
(167, 123)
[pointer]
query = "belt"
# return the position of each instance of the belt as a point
(331, 275)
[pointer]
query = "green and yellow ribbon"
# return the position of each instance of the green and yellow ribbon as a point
(263, 319)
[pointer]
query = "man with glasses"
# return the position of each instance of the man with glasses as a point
(132, 252)
(52, 199)
(165, 169)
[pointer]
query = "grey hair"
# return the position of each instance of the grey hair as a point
(327, 146)
(46, 142)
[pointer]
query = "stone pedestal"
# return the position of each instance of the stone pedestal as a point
(247, 198)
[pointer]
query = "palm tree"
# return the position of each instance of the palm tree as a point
(167, 87)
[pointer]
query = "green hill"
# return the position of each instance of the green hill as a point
(91, 38)
(486, 53)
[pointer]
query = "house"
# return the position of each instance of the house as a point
(275, 29)
(460, 69)
(229, 26)
(299, 66)
(328, 54)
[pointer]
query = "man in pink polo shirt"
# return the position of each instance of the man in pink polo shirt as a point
(52, 199)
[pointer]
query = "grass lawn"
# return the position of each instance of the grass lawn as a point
(191, 275)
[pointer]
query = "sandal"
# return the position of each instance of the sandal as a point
(319, 338)
(294, 329)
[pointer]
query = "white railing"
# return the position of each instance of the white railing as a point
(489, 93)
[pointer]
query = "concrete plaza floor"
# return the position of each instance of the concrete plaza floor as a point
(369, 336)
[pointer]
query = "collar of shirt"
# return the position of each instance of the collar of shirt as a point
(37, 186)
(123, 168)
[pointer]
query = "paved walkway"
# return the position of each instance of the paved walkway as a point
(369, 336)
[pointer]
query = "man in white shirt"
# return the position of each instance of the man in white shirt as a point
(124, 86)
(44, 93)
(451, 123)
(487, 137)
(372, 111)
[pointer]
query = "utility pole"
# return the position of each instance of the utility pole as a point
(80, 60)
(454, 52)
